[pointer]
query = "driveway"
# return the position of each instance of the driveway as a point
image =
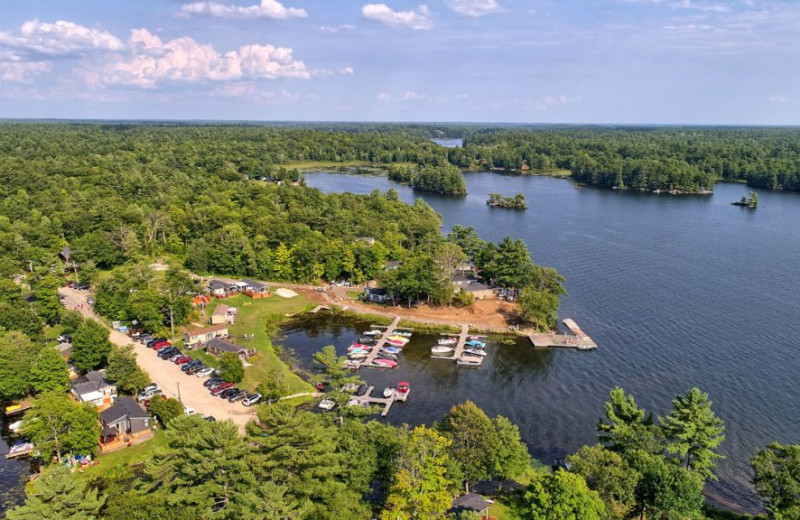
(168, 376)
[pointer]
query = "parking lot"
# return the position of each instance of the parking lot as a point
(168, 376)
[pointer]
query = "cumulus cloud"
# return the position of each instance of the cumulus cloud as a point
(267, 9)
(416, 19)
(153, 61)
(474, 8)
(22, 72)
(57, 39)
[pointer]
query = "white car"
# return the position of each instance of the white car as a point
(188, 410)
(205, 372)
(327, 404)
(251, 399)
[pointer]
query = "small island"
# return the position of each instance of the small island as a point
(747, 202)
(516, 202)
(443, 179)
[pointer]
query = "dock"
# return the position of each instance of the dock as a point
(21, 450)
(386, 402)
(578, 339)
(369, 361)
(459, 350)
(16, 409)
(319, 308)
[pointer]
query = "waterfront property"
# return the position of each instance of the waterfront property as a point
(224, 314)
(194, 337)
(255, 289)
(578, 339)
(122, 424)
(218, 346)
(94, 388)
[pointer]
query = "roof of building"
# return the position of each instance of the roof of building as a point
(225, 346)
(476, 287)
(220, 310)
(123, 407)
(255, 285)
(65, 253)
(93, 381)
(470, 502)
(494, 487)
(218, 284)
(464, 279)
(378, 291)
(205, 330)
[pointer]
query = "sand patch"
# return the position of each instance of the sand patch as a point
(285, 293)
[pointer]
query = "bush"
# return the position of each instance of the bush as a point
(231, 368)
(166, 409)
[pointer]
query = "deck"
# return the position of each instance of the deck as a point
(386, 402)
(578, 339)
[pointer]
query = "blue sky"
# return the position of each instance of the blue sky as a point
(550, 61)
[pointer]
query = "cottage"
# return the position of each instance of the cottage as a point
(194, 337)
(94, 388)
(224, 314)
(376, 295)
(221, 289)
(125, 417)
(471, 502)
(480, 291)
(217, 347)
(255, 289)
(65, 349)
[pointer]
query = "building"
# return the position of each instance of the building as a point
(65, 254)
(376, 295)
(255, 289)
(224, 314)
(125, 417)
(218, 346)
(473, 503)
(94, 388)
(221, 289)
(65, 349)
(194, 337)
(391, 265)
(471, 285)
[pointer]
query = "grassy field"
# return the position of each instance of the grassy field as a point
(125, 457)
(261, 318)
(317, 165)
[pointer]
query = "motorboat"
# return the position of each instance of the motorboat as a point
(358, 355)
(388, 363)
(327, 404)
(397, 343)
(469, 361)
(476, 338)
(390, 350)
(388, 392)
(352, 364)
(475, 343)
(353, 402)
(441, 349)
(403, 389)
(395, 337)
(448, 341)
(475, 352)
(360, 351)
(361, 346)
(386, 355)
(374, 332)
(403, 333)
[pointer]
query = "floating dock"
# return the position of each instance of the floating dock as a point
(578, 339)
(369, 361)
(386, 402)
(459, 350)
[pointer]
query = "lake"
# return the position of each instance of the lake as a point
(676, 291)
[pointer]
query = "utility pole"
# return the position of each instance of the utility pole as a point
(179, 393)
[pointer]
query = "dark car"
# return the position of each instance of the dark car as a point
(209, 418)
(195, 369)
(83, 286)
(238, 396)
(168, 352)
(221, 388)
(225, 394)
(153, 341)
(212, 381)
(195, 363)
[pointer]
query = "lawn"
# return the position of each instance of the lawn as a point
(261, 318)
(125, 456)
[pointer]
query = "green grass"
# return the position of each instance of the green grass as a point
(316, 165)
(261, 318)
(125, 456)
(354, 295)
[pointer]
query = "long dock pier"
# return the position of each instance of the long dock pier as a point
(369, 361)
(459, 350)
(386, 402)
(578, 339)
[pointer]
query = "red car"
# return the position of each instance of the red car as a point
(221, 388)
(161, 344)
(182, 360)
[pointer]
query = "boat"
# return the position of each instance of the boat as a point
(388, 363)
(352, 364)
(367, 340)
(399, 338)
(475, 343)
(403, 333)
(388, 392)
(327, 404)
(20, 448)
(390, 350)
(353, 402)
(403, 389)
(469, 361)
(16, 426)
(441, 349)
(358, 355)
(360, 351)
(448, 341)
(386, 355)
(475, 352)
(361, 346)
(396, 343)
(476, 338)
(374, 332)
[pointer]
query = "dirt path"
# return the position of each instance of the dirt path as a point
(167, 375)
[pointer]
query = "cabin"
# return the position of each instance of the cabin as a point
(125, 417)
(480, 291)
(217, 347)
(255, 289)
(94, 388)
(65, 349)
(194, 337)
(221, 289)
(376, 295)
(471, 503)
(224, 314)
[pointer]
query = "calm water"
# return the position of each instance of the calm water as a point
(676, 291)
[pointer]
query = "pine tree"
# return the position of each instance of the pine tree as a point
(777, 480)
(50, 371)
(694, 431)
(626, 426)
(58, 495)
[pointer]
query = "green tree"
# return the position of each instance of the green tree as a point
(420, 484)
(176, 291)
(776, 478)
(666, 491)
(17, 357)
(275, 384)
(510, 455)
(626, 426)
(539, 309)
(166, 410)
(694, 431)
(47, 304)
(123, 370)
(57, 426)
(21, 316)
(90, 345)
(231, 367)
(59, 495)
(562, 496)
(607, 473)
(472, 440)
(49, 372)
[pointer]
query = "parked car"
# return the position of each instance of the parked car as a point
(83, 286)
(238, 396)
(64, 338)
(195, 369)
(161, 344)
(209, 418)
(217, 384)
(251, 399)
(188, 410)
(194, 364)
(150, 388)
(203, 372)
(153, 341)
(182, 360)
(221, 388)
(90, 300)
(144, 396)
(168, 352)
(228, 392)
(212, 381)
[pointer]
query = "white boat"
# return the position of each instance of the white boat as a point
(388, 392)
(441, 349)
(352, 364)
(375, 332)
(358, 355)
(327, 404)
(469, 361)
(353, 402)
(448, 341)
(15, 426)
(403, 389)
(475, 352)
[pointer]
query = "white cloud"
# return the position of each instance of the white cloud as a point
(152, 61)
(414, 96)
(344, 71)
(326, 29)
(22, 72)
(779, 99)
(474, 8)
(58, 39)
(689, 4)
(383, 96)
(419, 19)
(267, 9)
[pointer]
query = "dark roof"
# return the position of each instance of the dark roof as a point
(225, 346)
(255, 285)
(95, 375)
(124, 407)
(470, 502)
(378, 291)
(91, 382)
(218, 284)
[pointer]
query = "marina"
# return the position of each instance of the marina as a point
(387, 402)
(578, 339)
(463, 353)
(370, 360)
